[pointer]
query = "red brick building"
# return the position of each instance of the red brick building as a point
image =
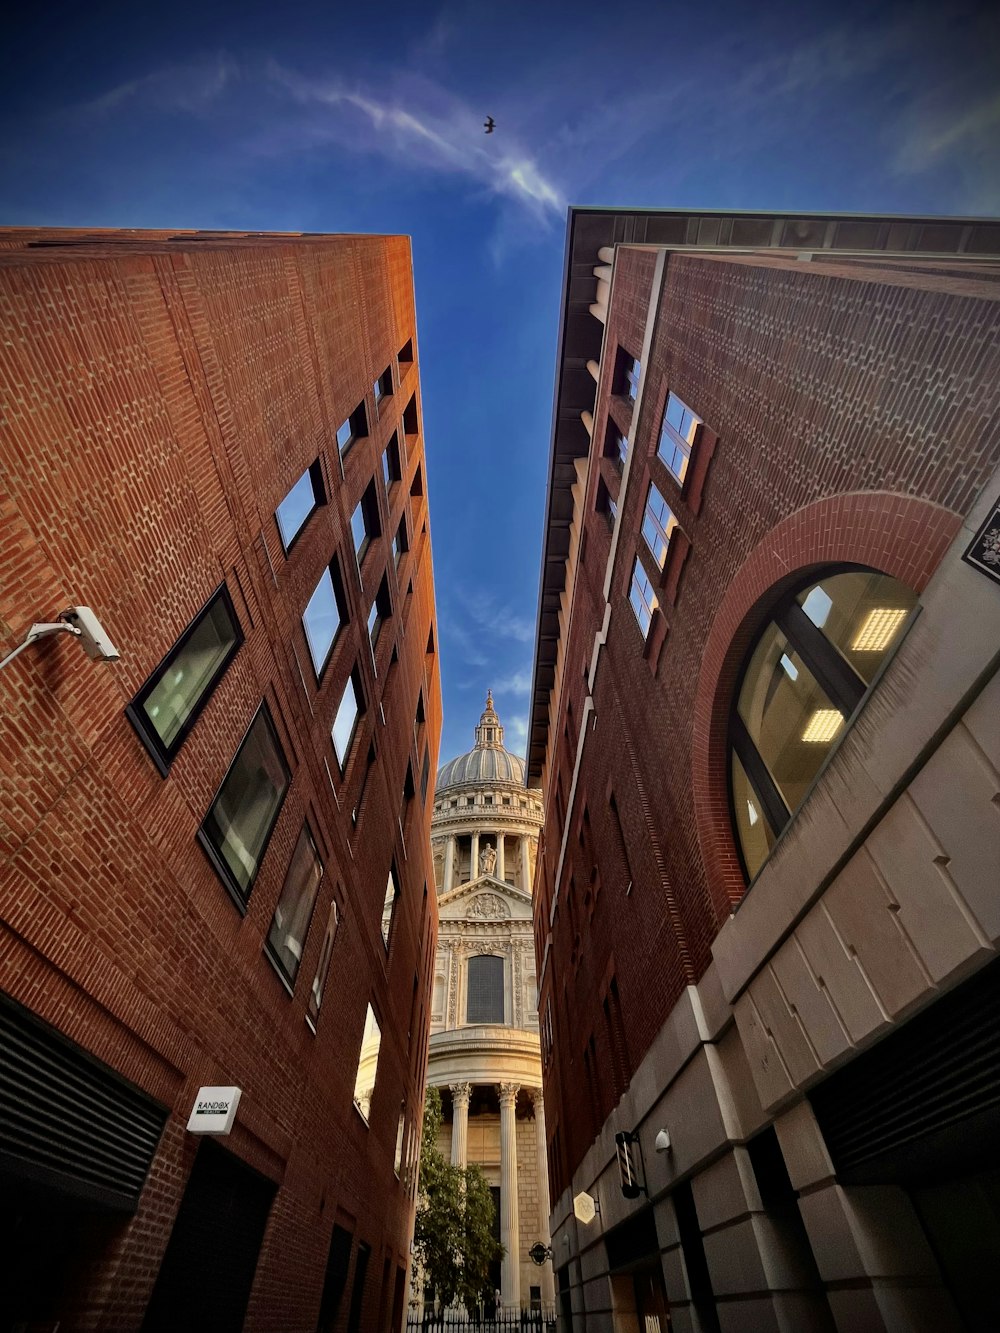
(764, 722)
(214, 850)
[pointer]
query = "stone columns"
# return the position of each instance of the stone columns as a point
(544, 1234)
(474, 862)
(449, 863)
(525, 865)
(501, 869)
(460, 1094)
(510, 1272)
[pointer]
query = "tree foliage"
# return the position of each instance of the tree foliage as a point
(453, 1238)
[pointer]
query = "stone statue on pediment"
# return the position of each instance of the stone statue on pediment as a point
(487, 861)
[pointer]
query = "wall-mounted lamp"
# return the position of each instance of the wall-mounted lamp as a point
(79, 621)
(662, 1141)
(586, 1208)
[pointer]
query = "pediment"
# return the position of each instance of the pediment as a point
(485, 899)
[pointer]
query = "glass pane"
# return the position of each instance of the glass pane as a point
(190, 673)
(295, 508)
(642, 597)
(323, 967)
(373, 621)
(359, 528)
(657, 525)
(287, 936)
(755, 834)
(861, 613)
(344, 436)
(789, 717)
(485, 989)
(321, 620)
(364, 1083)
(246, 807)
(388, 904)
(343, 727)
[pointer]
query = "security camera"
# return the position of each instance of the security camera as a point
(93, 639)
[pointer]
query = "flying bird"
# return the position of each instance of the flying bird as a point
(489, 124)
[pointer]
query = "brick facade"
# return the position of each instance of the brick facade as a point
(161, 394)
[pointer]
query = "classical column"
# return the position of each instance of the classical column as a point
(449, 863)
(510, 1272)
(544, 1234)
(460, 1094)
(501, 875)
(474, 863)
(525, 865)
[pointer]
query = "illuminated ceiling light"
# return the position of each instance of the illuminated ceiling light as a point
(823, 725)
(878, 629)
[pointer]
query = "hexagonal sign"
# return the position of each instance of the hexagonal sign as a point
(585, 1208)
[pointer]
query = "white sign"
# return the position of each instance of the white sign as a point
(214, 1110)
(585, 1208)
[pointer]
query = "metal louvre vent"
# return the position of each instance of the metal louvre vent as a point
(924, 1100)
(69, 1122)
(485, 989)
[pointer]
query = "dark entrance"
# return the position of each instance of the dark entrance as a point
(209, 1265)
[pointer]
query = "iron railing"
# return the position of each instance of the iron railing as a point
(485, 1320)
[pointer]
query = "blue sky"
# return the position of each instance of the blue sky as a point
(333, 117)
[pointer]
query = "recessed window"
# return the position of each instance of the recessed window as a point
(364, 1082)
(484, 1001)
(390, 463)
(405, 357)
(425, 773)
(606, 504)
(410, 424)
(397, 1160)
(323, 967)
(616, 446)
(167, 706)
(380, 611)
(354, 428)
(627, 372)
(807, 674)
(389, 906)
(382, 387)
(346, 721)
(657, 525)
(323, 617)
(286, 939)
(365, 526)
(400, 543)
(677, 436)
(299, 504)
(241, 819)
(641, 597)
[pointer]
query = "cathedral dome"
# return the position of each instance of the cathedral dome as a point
(487, 761)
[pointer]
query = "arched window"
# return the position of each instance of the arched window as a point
(808, 672)
(484, 1002)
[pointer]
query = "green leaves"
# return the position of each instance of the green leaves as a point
(453, 1236)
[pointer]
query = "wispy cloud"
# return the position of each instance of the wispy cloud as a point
(518, 682)
(498, 620)
(192, 89)
(515, 733)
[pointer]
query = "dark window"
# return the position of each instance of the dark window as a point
(425, 773)
(485, 989)
(627, 372)
(410, 417)
(365, 525)
(400, 543)
(405, 357)
(389, 906)
(286, 939)
(354, 428)
(337, 1263)
(606, 505)
(390, 463)
(417, 484)
(241, 819)
(323, 617)
(167, 706)
(810, 668)
(323, 966)
(380, 612)
(616, 445)
(382, 387)
(358, 1289)
(299, 504)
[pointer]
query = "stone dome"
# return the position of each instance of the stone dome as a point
(487, 761)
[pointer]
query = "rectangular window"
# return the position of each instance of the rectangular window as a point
(323, 617)
(390, 463)
(389, 906)
(485, 987)
(657, 525)
(405, 357)
(290, 924)
(642, 597)
(299, 504)
(346, 721)
(630, 371)
(364, 1082)
(425, 773)
(365, 526)
(677, 436)
(322, 967)
(397, 1161)
(167, 706)
(382, 387)
(400, 544)
(354, 428)
(616, 445)
(606, 504)
(241, 819)
(410, 417)
(380, 612)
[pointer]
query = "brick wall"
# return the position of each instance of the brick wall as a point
(858, 401)
(160, 398)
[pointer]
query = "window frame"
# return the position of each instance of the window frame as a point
(357, 428)
(379, 390)
(354, 681)
(664, 533)
(845, 689)
(486, 1022)
(340, 598)
(677, 442)
(315, 474)
(217, 861)
(270, 951)
(639, 567)
(163, 755)
(386, 931)
(317, 988)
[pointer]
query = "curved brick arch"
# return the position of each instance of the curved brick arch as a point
(895, 534)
